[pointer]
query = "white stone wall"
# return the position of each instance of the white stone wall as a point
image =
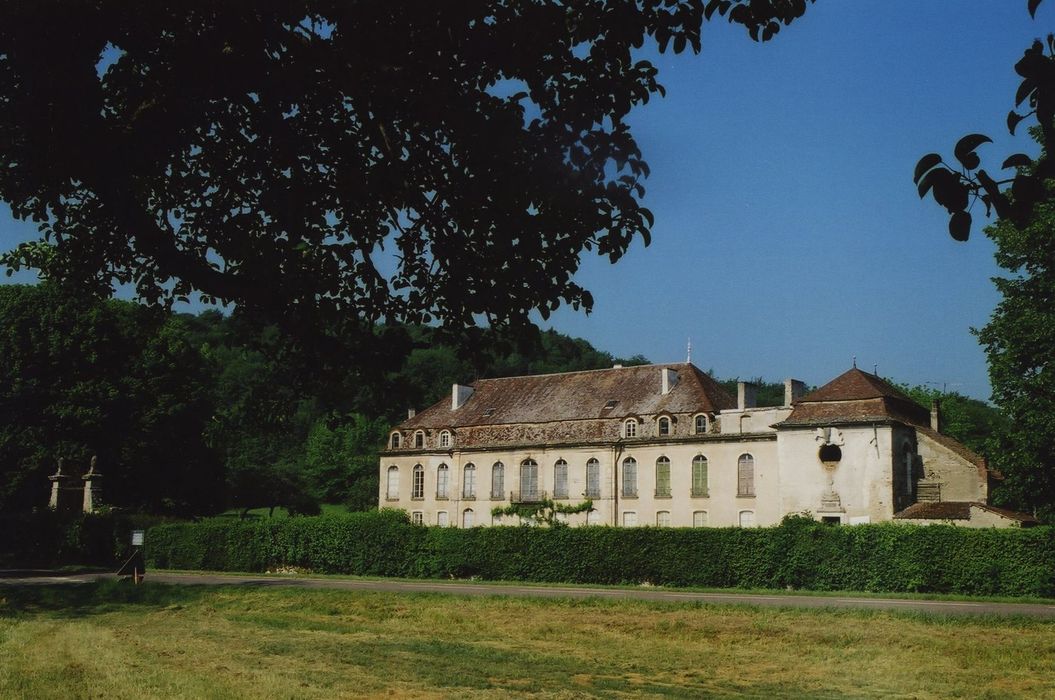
(862, 479)
(723, 506)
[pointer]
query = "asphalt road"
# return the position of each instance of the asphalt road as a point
(939, 607)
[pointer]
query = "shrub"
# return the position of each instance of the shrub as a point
(799, 553)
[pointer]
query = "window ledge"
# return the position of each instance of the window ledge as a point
(700, 494)
(745, 495)
(468, 498)
(417, 498)
(561, 497)
(442, 498)
(390, 498)
(629, 495)
(663, 495)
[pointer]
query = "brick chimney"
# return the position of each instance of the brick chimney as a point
(793, 391)
(459, 395)
(935, 415)
(746, 395)
(668, 378)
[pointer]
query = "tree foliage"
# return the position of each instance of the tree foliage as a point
(970, 421)
(334, 164)
(958, 186)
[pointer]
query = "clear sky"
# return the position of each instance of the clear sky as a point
(789, 236)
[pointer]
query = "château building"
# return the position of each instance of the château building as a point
(665, 445)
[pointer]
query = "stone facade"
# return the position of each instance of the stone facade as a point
(665, 445)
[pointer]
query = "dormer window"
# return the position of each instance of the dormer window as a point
(445, 438)
(489, 412)
(663, 426)
(395, 441)
(610, 404)
(419, 439)
(700, 424)
(630, 428)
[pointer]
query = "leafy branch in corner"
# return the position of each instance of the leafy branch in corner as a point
(959, 188)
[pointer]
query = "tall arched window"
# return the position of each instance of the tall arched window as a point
(498, 482)
(469, 481)
(392, 488)
(699, 476)
(395, 442)
(593, 479)
(664, 426)
(745, 476)
(445, 438)
(468, 518)
(417, 484)
(630, 478)
(662, 478)
(443, 482)
(529, 480)
(560, 479)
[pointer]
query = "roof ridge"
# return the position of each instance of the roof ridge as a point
(585, 371)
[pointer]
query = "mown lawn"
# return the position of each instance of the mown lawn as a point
(114, 640)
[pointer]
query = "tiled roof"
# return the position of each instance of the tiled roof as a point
(957, 447)
(856, 396)
(957, 510)
(578, 396)
(942, 510)
(855, 384)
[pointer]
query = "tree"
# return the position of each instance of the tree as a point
(1020, 348)
(341, 460)
(284, 156)
(958, 188)
(972, 422)
(80, 378)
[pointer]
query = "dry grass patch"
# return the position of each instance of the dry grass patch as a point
(160, 641)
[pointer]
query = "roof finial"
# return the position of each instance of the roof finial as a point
(855, 361)
(875, 369)
(688, 352)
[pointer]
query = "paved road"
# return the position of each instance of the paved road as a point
(941, 607)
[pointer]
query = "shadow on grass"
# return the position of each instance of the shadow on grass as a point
(82, 600)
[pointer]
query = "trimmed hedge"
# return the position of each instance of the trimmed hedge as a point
(799, 553)
(46, 538)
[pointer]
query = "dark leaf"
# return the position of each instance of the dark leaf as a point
(1018, 160)
(1024, 88)
(926, 182)
(960, 226)
(1013, 118)
(925, 163)
(967, 145)
(1032, 7)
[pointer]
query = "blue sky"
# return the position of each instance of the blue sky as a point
(789, 236)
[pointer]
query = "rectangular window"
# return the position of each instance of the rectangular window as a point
(593, 479)
(745, 476)
(699, 476)
(663, 478)
(663, 518)
(443, 482)
(417, 517)
(629, 519)
(560, 479)
(418, 483)
(469, 482)
(629, 478)
(442, 519)
(631, 428)
(699, 518)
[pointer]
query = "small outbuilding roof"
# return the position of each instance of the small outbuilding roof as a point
(958, 510)
(856, 396)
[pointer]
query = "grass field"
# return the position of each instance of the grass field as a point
(114, 640)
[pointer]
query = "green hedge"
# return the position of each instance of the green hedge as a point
(45, 538)
(798, 554)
